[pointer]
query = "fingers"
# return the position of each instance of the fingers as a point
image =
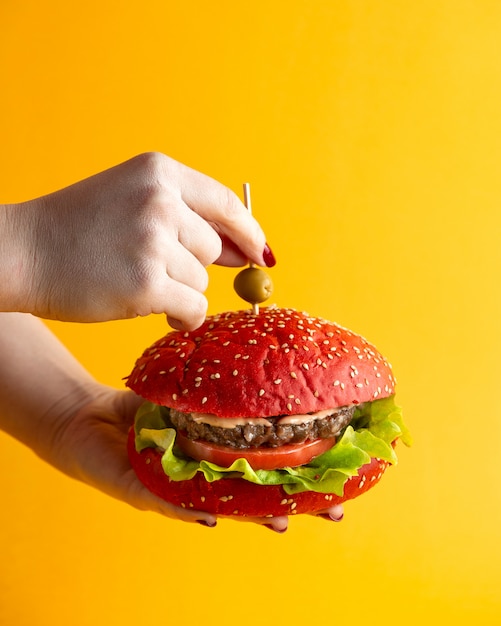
(198, 237)
(334, 513)
(278, 524)
(220, 206)
(147, 501)
(186, 308)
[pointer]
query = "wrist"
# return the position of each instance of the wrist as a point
(16, 257)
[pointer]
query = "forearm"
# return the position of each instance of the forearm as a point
(42, 382)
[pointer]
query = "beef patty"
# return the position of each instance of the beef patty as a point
(271, 432)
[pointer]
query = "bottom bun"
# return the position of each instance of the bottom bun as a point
(237, 497)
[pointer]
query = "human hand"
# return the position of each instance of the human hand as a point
(133, 240)
(91, 446)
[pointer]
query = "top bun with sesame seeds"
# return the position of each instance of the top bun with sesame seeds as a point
(293, 412)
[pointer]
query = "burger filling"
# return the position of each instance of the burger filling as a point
(371, 433)
(243, 433)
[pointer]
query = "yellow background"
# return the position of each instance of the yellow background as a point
(371, 135)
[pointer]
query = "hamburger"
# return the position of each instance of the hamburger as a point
(263, 413)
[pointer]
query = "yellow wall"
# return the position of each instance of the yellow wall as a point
(371, 134)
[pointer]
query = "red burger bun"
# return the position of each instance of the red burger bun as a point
(237, 497)
(278, 362)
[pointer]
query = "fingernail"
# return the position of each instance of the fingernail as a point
(277, 530)
(204, 522)
(268, 256)
(331, 518)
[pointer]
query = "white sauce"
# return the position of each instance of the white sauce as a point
(231, 422)
(305, 417)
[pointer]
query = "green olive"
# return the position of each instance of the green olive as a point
(253, 285)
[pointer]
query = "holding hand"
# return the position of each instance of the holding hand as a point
(127, 242)
(92, 448)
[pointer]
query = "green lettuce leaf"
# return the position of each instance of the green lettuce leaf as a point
(375, 426)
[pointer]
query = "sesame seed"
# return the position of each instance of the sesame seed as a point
(277, 381)
(293, 375)
(204, 399)
(261, 392)
(235, 372)
(305, 366)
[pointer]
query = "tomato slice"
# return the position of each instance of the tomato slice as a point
(289, 455)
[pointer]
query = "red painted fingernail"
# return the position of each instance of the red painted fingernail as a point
(269, 257)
